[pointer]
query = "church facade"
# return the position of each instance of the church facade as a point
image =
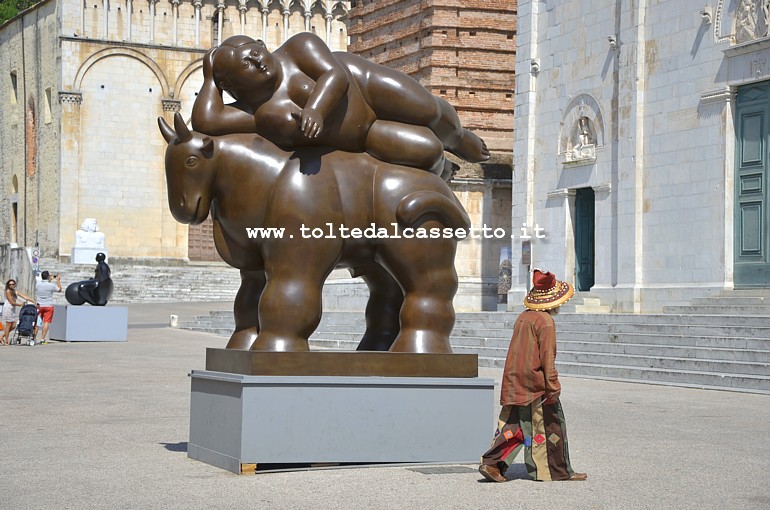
(641, 148)
(83, 86)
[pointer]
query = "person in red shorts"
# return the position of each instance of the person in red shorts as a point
(44, 292)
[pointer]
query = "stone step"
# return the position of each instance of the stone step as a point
(720, 309)
(665, 330)
(732, 300)
(637, 361)
(584, 305)
(734, 382)
(722, 352)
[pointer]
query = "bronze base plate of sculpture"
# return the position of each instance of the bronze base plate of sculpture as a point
(342, 363)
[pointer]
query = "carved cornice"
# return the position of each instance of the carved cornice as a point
(562, 193)
(172, 105)
(718, 96)
(70, 97)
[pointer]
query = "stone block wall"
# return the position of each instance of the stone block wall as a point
(29, 130)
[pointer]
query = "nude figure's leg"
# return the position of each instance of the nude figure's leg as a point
(382, 309)
(246, 310)
(397, 97)
(459, 141)
(405, 144)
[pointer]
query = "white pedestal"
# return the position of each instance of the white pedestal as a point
(87, 255)
(238, 420)
(88, 323)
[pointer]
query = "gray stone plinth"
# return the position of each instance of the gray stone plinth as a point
(240, 419)
(89, 323)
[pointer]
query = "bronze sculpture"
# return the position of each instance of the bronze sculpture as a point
(305, 95)
(246, 182)
(95, 291)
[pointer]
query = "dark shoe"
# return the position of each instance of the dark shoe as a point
(492, 473)
(577, 477)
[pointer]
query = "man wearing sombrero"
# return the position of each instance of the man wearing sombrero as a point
(532, 417)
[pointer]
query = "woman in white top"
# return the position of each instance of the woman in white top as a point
(9, 309)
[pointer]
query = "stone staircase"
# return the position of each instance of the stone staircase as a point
(699, 348)
(136, 283)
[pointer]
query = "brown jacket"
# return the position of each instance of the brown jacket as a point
(530, 367)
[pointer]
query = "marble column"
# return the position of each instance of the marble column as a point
(286, 13)
(129, 14)
(175, 15)
(197, 4)
(152, 19)
(329, 18)
(220, 21)
(105, 19)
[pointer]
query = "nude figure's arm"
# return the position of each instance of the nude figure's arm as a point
(314, 58)
(210, 115)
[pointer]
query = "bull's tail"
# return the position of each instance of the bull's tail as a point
(421, 206)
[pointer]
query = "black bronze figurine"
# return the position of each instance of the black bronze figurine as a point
(95, 291)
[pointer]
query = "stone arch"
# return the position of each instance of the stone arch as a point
(124, 52)
(182, 78)
(582, 105)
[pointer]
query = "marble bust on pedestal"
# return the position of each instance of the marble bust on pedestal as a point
(88, 243)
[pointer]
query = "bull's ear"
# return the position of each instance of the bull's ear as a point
(166, 130)
(207, 151)
(182, 132)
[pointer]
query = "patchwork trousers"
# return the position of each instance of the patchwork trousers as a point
(541, 432)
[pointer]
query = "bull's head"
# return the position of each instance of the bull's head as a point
(190, 171)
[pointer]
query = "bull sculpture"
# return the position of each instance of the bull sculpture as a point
(246, 182)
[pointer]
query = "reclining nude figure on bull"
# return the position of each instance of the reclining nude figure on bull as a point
(303, 95)
(245, 181)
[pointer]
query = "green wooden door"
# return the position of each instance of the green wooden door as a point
(752, 257)
(584, 239)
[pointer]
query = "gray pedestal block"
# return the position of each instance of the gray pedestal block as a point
(89, 323)
(240, 419)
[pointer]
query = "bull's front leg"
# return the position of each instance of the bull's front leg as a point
(290, 306)
(246, 310)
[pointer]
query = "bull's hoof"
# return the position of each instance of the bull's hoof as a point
(279, 344)
(243, 339)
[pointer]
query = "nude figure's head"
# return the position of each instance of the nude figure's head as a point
(243, 67)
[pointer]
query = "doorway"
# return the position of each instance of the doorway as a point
(584, 239)
(752, 242)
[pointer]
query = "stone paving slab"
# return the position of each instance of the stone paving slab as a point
(105, 425)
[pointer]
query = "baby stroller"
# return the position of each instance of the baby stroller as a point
(25, 328)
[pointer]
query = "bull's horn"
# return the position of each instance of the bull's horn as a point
(182, 133)
(166, 130)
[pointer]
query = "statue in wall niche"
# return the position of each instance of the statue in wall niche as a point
(88, 242)
(304, 95)
(766, 12)
(95, 291)
(584, 142)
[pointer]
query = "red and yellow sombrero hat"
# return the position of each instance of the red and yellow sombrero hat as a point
(547, 292)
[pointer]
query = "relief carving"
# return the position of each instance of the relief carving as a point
(752, 20)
